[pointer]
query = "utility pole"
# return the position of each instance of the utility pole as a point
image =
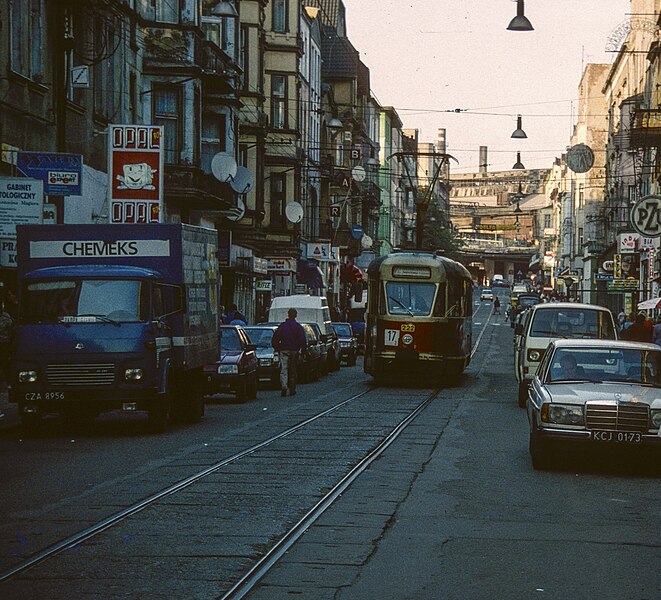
(59, 90)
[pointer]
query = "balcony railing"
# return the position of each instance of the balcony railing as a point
(646, 128)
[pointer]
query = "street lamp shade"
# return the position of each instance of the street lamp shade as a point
(334, 124)
(224, 9)
(518, 164)
(520, 22)
(518, 132)
(517, 210)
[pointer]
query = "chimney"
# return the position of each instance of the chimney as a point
(483, 160)
(441, 144)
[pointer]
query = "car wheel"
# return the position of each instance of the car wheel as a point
(523, 393)
(252, 388)
(539, 452)
(242, 391)
(351, 361)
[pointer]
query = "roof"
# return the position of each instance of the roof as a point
(94, 271)
(535, 202)
(567, 305)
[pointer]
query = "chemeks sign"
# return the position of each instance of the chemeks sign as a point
(135, 168)
(646, 216)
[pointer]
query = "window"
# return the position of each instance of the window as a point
(167, 101)
(214, 137)
(278, 199)
(166, 11)
(278, 101)
(547, 221)
(580, 238)
(280, 10)
(107, 72)
(244, 56)
(26, 23)
(581, 196)
(413, 299)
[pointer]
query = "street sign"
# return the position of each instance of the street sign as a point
(646, 216)
(335, 210)
(61, 173)
(357, 231)
(603, 277)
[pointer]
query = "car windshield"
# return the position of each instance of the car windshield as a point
(605, 365)
(572, 323)
(414, 299)
(85, 301)
(342, 329)
(261, 337)
(229, 340)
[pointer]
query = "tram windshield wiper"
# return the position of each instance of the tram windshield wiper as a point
(408, 310)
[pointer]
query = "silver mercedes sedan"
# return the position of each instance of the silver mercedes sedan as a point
(596, 392)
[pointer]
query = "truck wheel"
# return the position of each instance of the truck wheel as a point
(30, 422)
(159, 412)
(523, 393)
(194, 410)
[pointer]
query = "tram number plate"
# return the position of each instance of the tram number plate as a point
(391, 337)
(622, 437)
(408, 327)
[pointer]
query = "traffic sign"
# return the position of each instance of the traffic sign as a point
(357, 231)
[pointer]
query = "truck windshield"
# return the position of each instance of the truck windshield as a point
(84, 301)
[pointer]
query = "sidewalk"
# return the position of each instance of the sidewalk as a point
(9, 418)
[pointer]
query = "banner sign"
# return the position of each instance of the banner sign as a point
(135, 169)
(627, 242)
(60, 173)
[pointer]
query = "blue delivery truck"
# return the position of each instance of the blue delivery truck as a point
(114, 317)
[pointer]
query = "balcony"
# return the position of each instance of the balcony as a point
(646, 128)
(193, 189)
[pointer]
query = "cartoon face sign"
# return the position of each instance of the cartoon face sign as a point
(137, 176)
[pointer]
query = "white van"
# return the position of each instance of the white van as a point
(310, 309)
(542, 323)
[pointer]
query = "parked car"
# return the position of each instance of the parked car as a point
(486, 294)
(329, 339)
(313, 362)
(595, 392)
(348, 342)
(324, 347)
(235, 371)
(268, 367)
(525, 301)
(545, 322)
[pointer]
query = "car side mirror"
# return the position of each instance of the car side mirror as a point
(313, 343)
(518, 329)
(324, 338)
(251, 347)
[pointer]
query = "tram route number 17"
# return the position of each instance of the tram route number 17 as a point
(391, 337)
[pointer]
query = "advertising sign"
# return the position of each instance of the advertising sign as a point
(617, 266)
(135, 168)
(627, 242)
(61, 173)
(646, 216)
(21, 201)
(319, 250)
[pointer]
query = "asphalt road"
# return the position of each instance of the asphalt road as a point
(453, 509)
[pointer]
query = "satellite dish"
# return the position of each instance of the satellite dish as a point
(358, 173)
(366, 241)
(294, 212)
(243, 181)
(223, 167)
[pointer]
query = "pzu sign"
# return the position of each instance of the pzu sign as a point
(646, 216)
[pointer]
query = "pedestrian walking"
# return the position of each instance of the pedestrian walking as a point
(621, 319)
(656, 333)
(234, 317)
(289, 341)
(496, 306)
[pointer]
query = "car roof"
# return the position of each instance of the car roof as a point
(261, 326)
(613, 344)
(557, 305)
(231, 327)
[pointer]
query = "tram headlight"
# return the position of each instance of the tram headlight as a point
(407, 339)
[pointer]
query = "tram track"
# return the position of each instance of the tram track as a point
(286, 540)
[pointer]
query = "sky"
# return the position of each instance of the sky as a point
(430, 57)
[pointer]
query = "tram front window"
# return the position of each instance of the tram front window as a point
(413, 299)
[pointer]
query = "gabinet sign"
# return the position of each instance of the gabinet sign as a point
(21, 201)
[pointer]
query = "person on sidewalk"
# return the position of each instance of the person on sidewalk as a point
(289, 340)
(496, 306)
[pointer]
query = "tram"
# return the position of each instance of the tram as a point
(419, 317)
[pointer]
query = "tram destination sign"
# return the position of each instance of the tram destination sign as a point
(646, 216)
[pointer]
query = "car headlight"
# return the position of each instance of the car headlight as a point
(534, 355)
(276, 358)
(27, 376)
(345, 344)
(656, 418)
(133, 374)
(228, 369)
(562, 414)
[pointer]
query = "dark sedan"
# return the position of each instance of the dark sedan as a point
(348, 342)
(236, 368)
(268, 368)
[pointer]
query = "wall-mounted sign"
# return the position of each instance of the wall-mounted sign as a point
(646, 216)
(21, 201)
(286, 264)
(580, 158)
(60, 173)
(627, 242)
(135, 169)
(263, 285)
